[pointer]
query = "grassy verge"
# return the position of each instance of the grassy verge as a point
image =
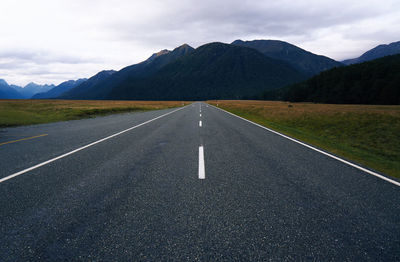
(28, 112)
(369, 135)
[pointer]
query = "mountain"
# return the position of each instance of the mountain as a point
(101, 89)
(85, 89)
(212, 71)
(373, 82)
(306, 62)
(31, 89)
(8, 92)
(377, 52)
(60, 89)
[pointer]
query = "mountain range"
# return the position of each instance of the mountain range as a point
(240, 70)
(86, 89)
(16, 92)
(376, 52)
(32, 88)
(59, 90)
(8, 92)
(102, 85)
(212, 71)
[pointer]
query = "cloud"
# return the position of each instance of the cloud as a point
(20, 67)
(44, 57)
(211, 20)
(84, 37)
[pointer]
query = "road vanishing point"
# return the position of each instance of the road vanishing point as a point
(186, 184)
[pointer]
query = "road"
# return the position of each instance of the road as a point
(172, 189)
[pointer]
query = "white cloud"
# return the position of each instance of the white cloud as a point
(49, 41)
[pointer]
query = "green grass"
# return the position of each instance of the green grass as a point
(369, 135)
(28, 112)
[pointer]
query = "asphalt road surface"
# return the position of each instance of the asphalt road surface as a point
(175, 189)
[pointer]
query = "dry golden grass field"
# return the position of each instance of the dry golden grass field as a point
(27, 112)
(367, 134)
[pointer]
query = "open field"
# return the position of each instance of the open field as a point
(27, 112)
(367, 134)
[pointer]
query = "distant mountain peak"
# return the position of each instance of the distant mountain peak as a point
(60, 89)
(388, 45)
(237, 41)
(158, 54)
(36, 86)
(3, 82)
(111, 71)
(30, 84)
(376, 52)
(104, 73)
(240, 41)
(163, 52)
(269, 45)
(8, 92)
(180, 49)
(183, 48)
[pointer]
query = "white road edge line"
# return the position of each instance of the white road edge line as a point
(202, 173)
(318, 150)
(83, 147)
(200, 123)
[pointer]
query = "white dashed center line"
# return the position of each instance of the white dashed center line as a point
(202, 173)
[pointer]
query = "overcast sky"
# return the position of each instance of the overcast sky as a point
(50, 41)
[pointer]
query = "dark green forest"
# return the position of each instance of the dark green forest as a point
(373, 82)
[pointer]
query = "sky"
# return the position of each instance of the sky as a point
(51, 41)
